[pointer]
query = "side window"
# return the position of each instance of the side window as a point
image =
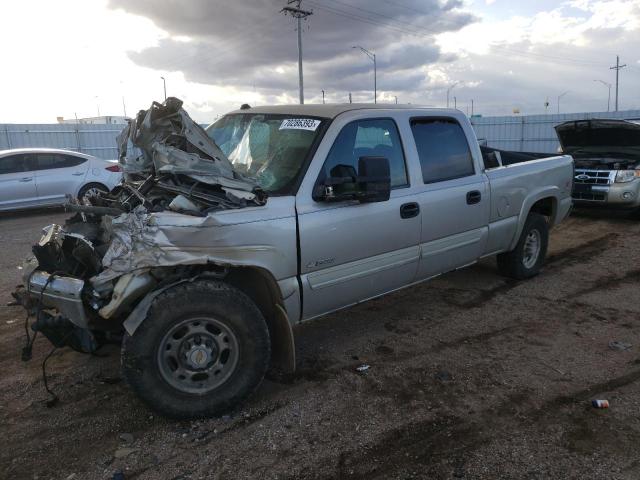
(73, 161)
(366, 138)
(13, 164)
(47, 161)
(442, 148)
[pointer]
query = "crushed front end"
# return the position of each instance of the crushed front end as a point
(87, 277)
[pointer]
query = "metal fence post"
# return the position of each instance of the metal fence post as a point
(78, 138)
(523, 119)
(6, 132)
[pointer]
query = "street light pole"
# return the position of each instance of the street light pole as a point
(372, 56)
(323, 97)
(608, 85)
(559, 97)
(164, 83)
(451, 87)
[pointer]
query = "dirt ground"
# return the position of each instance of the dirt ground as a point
(471, 376)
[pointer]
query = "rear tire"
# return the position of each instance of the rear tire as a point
(526, 260)
(203, 348)
(89, 190)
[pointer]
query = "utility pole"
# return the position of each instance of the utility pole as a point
(617, 68)
(299, 14)
(164, 83)
(349, 97)
(124, 107)
(396, 99)
(323, 97)
(372, 56)
(455, 102)
(472, 107)
(608, 85)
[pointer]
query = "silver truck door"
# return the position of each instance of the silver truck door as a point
(354, 251)
(454, 200)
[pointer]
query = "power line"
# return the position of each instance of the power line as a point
(416, 32)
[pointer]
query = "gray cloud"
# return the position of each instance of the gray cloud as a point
(243, 43)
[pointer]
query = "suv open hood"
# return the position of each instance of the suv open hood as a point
(599, 137)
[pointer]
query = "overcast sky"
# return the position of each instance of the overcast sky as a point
(75, 57)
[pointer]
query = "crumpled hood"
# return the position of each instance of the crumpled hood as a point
(171, 142)
(593, 137)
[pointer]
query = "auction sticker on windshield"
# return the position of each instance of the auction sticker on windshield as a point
(300, 124)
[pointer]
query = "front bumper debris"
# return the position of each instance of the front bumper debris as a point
(61, 293)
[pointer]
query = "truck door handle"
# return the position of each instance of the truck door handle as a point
(26, 179)
(473, 197)
(409, 210)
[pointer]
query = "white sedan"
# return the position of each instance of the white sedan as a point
(40, 177)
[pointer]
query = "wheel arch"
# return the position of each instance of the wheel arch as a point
(261, 287)
(544, 202)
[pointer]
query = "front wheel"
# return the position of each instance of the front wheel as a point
(203, 348)
(526, 260)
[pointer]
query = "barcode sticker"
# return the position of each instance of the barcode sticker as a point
(300, 124)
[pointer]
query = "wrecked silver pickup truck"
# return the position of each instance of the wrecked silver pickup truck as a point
(219, 241)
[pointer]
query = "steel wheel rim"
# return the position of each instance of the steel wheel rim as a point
(197, 355)
(531, 250)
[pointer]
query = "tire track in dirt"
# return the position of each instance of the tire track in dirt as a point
(575, 255)
(437, 446)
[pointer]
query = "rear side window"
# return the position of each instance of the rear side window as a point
(13, 164)
(442, 148)
(47, 161)
(366, 138)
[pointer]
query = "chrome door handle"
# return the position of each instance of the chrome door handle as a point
(26, 179)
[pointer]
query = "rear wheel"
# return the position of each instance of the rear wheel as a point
(90, 190)
(203, 348)
(526, 260)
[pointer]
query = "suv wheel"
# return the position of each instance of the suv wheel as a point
(525, 261)
(203, 348)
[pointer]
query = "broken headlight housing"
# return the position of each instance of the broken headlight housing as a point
(624, 176)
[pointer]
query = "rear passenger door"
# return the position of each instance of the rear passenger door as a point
(454, 200)
(352, 251)
(58, 175)
(17, 182)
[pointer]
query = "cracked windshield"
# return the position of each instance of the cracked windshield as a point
(271, 148)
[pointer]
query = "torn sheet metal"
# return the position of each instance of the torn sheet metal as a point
(142, 240)
(172, 142)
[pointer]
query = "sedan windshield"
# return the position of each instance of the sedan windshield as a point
(271, 148)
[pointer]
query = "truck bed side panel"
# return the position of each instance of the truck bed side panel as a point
(516, 188)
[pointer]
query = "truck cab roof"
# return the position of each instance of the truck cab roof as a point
(332, 110)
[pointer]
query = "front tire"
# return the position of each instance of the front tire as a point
(203, 348)
(526, 260)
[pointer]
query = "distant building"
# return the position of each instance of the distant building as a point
(103, 120)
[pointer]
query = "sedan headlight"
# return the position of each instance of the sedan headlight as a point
(624, 176)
